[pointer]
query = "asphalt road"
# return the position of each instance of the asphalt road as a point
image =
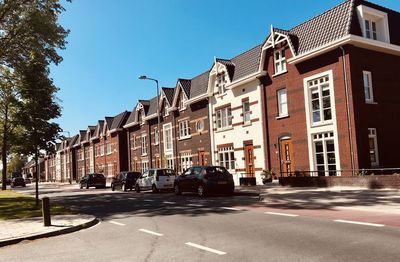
(165, 227)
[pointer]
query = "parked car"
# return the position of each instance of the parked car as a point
(156, 179)
(204, 180)
(125, 180)
(28, 180)
(18, 181)
(93, 180)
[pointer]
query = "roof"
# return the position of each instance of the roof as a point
(186, 86)
(246, 63)
(73, 140)
(109, 120)
(99, 128)
(169, 94)
(199, 85)
(153, 105)
(82, 135)
(119, 120)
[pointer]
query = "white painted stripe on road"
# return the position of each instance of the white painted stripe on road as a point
(281, 214)
(148, 200)
(359, 223)
(169, 202)
(206, 248)
(116, 223)
(150, 232)
(231, 208)
(195, 205)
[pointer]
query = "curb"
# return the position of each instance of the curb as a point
(72, 229)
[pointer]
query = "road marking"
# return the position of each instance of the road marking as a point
(231, 208)
(206, 248)
(116, 223)
(148, 200)
(281, 214)
(169, 202)
(150, 232)
(359, 223)
(195, 205)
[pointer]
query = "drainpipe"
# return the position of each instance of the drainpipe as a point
(348, 110)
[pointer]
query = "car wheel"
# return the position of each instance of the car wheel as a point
(137, 188)
(80, 186)
(112, 188)
(87, 186)
(123, 187)
(24, 185)
(177, 190)
(200, 190)
(154, 189)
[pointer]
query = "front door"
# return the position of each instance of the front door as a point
(287, 157)
(249, 158)
(202, 158)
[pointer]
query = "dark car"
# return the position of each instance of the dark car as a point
(18, 181)
(125, 180)
(93, 180)
(204, 180)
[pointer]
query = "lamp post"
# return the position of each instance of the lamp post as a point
(69, 158)
(143, 77)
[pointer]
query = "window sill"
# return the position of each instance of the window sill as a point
(246, 124)
(322, 124)
(221, 95)
(184, 138)
(282, 117)
(279, 73)
(224, 129)
(371, 102)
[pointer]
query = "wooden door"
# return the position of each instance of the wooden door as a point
(287, 157)
(249, 158)
(202, 158)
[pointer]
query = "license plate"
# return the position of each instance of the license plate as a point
(222, 182)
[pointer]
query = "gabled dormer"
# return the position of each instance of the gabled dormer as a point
(166, 100)
(374, 23)
(107, 125)
(181, 95)
(221, 75)
(98, 131)
(140, 111)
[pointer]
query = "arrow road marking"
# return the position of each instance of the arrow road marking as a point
(206, 248)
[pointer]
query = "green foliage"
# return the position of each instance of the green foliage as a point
(16, 163)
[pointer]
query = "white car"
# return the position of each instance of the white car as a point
(155, 180)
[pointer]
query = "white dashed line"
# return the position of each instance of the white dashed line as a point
(169, 202)
(148, 200)
(359, 223)
(231, 208)
(150, 232)
(281, 214)
(206, 248)
(195, 205)
(116, 223)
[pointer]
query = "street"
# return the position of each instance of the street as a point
(165, 227)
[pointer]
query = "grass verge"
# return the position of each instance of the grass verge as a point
(14, 205)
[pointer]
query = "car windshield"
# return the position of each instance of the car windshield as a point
(215, 170)
(165, 172)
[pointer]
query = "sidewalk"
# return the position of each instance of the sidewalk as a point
(16, 230)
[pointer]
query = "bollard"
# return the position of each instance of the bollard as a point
(46, 211)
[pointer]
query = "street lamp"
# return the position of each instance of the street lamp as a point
(69, 158)
(143, 77)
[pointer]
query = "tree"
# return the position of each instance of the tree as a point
(16, 163)
(28, 28)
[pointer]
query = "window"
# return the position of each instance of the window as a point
(102, 150)
(165, 111)
(282, 103)
(224, 117)
(373, 147)
(144, 144)
(168, 137)
(156, 136)
(144, 166)
(324, 154)
(184, 129)
(182, 101)
(370, 29)
(226, 157)
(108, 148)
(186, 161)
(110, 170)
(246, 112)
(134, 141)
(320, 100)
(170, 161)
(279, 61)
(221, 83)
(200, 125)
(368, 93)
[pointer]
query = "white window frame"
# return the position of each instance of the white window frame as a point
(324, 138)
(184, 129)
(200, 125)
(102, 150)
(280, 65)
(226, 157)
(167, 137)
(169, 161)
(108, 148)
(281, 96)
(220, 83)
(156, 136)
(186, 161)
(134, 142)
(182, 101)
(315, 86)
(370, 29)
(223, 118)
(165, 111)
(368, 15)
(144, 165)
(368, 89)
(110, 170)
(372, 134)
(144, 144)
(246, 112)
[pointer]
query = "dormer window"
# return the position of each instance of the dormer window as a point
(279, 61)
(182, 101)
(221, 83)
(165, 113)
(374, 23)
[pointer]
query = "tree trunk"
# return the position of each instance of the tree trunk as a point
(4, 149)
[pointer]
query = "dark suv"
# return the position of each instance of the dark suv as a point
(93, 180)
(18, 181)
(125, 180)
(204, 180)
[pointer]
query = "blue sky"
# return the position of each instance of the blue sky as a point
(113, 42)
